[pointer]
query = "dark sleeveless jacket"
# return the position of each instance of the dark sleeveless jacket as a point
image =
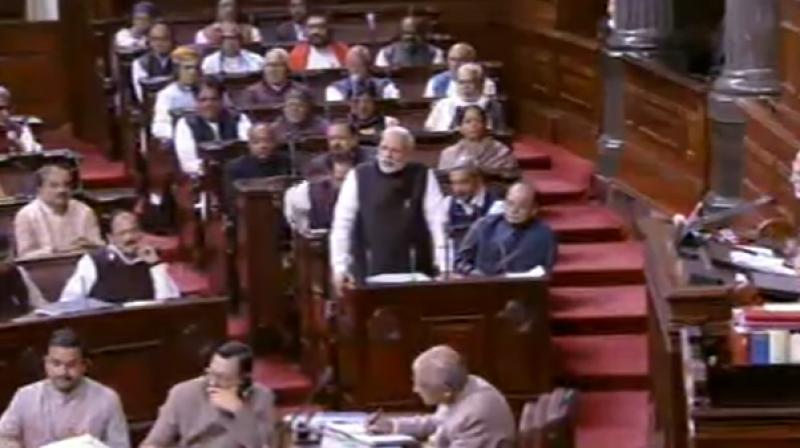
(348, 88)
(400, 54)
(322, 195)
(153, 67)
(119, 282)
(228, 127)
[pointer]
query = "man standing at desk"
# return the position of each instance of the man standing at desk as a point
(66, 404)
(388, 217)
(515, 241)
(125, 270)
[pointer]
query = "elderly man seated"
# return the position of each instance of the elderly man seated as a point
(264, 159)
(470, 412)
(321, 51)
(294, 29)
(275, 84)
(309, 205)
(443, 84)
(135, 37)
(492, 157)
(365, 116)
(124, 270)
(157, 62)
(446, 113)
(342, 140)
(469, 200)
(515, 241)
(180, 94)
(231, 57)
(212, 122)
(299, 119)
(15, 135)
(412, 49)
(359, 78)
(227, 14)
(54, 222)
(18, 293)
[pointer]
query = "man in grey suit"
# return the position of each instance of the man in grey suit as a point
(470, 412)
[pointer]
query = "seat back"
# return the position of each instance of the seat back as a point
(550, 421)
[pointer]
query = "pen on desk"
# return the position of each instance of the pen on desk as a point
(374, 417)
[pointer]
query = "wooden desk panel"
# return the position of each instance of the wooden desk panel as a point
(140, 352)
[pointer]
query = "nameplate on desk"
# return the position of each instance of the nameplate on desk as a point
(400, 277)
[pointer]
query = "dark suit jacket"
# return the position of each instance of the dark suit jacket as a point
(285, 32)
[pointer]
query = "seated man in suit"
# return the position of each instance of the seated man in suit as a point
(124, 270)
(412, 49)
(342, 139)
(18, 293)
(55, 223)
(294, 29)
(469, 200)
(180, 94)
(446, 113)
(359, 78)
(443, 84)
(135, 37)
(389, 217)
(212, 122)
(365, 114)
(265, 159)
(227, 14)
(299, 119)
(231, 57)
(309, 204)
(222, 408)
(470, 412)
(492, 157)
(157, 61)
(65, 404)
(515, 241)
(320, 51)
(275, 84)
(15, 136)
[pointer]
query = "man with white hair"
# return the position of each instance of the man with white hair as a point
(275, 83)
(444, 84)
(359, 78)
(388, 217)
(446, 113)
(470, 412)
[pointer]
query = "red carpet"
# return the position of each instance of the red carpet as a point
(610, 309)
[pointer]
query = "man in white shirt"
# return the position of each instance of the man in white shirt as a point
(412, 50)
(135, 37)
(309, 204)
(155, 63)
(446, 113)
(231, 57)
(16, 135)
(180, 94)
(359, 78)
(444, 85)
(388, 216)
(125, 270)
(212, 122)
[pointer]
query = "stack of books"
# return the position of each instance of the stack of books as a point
(766, 335)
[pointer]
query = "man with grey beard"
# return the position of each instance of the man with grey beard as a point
(389, 216)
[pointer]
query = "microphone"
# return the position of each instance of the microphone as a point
(301, 430)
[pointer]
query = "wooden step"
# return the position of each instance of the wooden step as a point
(583, 223)
(603, 310)
(608, 362)
(599, 264)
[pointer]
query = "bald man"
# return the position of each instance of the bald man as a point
(231, 57)
(157, 61)
(264, 159)
(446, 113)
(275, 83)
(515, 241)
(412, 49)
(389, 216)
(124, 270)
(470, 412)
(359, 78)
(444, 85)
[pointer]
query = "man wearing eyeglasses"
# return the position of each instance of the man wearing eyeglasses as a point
(220, 409)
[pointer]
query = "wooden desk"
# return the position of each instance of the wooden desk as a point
(140, 352)
(501, 327)
(51, 273)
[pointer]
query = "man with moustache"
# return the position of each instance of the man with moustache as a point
(309, 204)
(512, 242)
(320, 52)
(342, 139)
(359, 78)
(179, 94)
(125, 270)
(65, 404)
(55, 223)
(469, 200)
(412, 49)
(275, 85)
(223, 408)
(388, 217)
(299, 119)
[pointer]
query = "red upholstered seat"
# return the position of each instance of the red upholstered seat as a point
(285, 378)
(189, 280)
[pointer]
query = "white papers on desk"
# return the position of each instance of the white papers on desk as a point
(62, 308)
(761, 263)
(537, 272)
(354, 435)
(401, 277)
(84, 441)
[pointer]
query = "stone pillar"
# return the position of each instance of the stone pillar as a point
(750, 70)
(636, 28)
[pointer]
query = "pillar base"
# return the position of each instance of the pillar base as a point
(609, 149)
(755, 82)
(714, 203)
